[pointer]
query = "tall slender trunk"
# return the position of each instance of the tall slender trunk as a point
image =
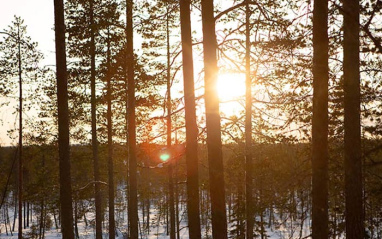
(127, 133)
(27, 214)
(76, 220)
(24, 217)
(110, 145)
(42, 205)
(169, 129)
(214, 144)
(353, 160)
(20, 233)
(320, 121)
(248, 127)
(97, 190)
(193, 211)
(133, 198)
(15, 211)
(176, 192)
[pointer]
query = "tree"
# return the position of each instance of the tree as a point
(63, 124)
(320, 121)
(352, 122)
(88, 24)
(133, 197)
(19, 58)
(97, 190)
(110, 144)
(214, 144)
(248, 127)
(191, 126)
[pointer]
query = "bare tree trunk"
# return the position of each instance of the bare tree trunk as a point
(320, 121)
(63, 124)
(248, 128)
(176, 193)
(133, 198)
(353, 161)
(110, 147)
(41, 219)
(169, 129)
(193, 211)
(27, 214)
(97, 190)
(20, 232)
(214, 144)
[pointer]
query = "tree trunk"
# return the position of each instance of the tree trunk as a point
(110, 147)
(248, 129)
(169, 129)
(133, 200)
(63, 124)
(41, 219)
(97, 190)
(353, 161)
(193, 211)
(320, 121)
(20, 232)
(214, 144)
(27, 214)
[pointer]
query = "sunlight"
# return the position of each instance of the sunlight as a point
(231, 89)
(231, 86)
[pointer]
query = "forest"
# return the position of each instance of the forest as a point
(194, 119)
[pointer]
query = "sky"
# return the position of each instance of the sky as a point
(38, 15)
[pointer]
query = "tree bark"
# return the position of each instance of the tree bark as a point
(193, 211)
(63, 124)
(214, 144)
(133, 199)
(110, 146)
(248, 128)
(169, 129)
(320, 121)
(20, 208)
(353, 161)
(97, 190)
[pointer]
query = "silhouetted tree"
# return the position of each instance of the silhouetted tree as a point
(352, 122)
(191, 126)
(63, 123)
(133, 197)
(320, 121)
(214, 144)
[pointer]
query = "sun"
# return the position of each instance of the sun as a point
(231, 91)
(231, 86)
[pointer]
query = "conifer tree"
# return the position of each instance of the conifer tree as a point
(191, 126)
(63, 124)
(19, 58)
(352, 122)
(214, 143)
(320, 121)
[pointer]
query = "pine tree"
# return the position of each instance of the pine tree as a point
(191, 126)
(63, 124)
(214, 144)
(133, 197)
(320, 121)
(352, 122)
(19, 58)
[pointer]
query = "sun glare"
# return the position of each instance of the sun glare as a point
(231, 86)
(231, 89)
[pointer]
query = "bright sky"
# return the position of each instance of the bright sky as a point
(38, 15)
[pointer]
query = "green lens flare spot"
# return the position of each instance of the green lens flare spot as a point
(164, 157)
